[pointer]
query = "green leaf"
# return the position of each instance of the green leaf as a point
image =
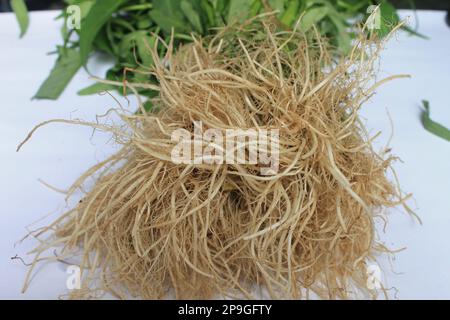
(312, 16)
(144, 23)
(277, 5)
(102, 42)
(168, 7)
(148, 105)
(167, 15)
(389, 18)
(21, 11)
(144, 43)
(352, 5)
(98, 15)
(167, 22)
(433, 127)
(138, 7)
(124, 24)
(239, 10)
(85, 7)
(291, 13)
(96, 88)
(220, 6)
(68, 63)
(414, 32)
(342, 37)
(255, 8)
(209, 12)
(191, 15)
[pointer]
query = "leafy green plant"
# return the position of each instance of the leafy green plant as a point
(125, 28)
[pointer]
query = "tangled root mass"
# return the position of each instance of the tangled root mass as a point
(151, 227)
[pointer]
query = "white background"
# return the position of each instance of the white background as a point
(58, 154)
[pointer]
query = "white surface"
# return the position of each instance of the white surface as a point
(59, 154)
